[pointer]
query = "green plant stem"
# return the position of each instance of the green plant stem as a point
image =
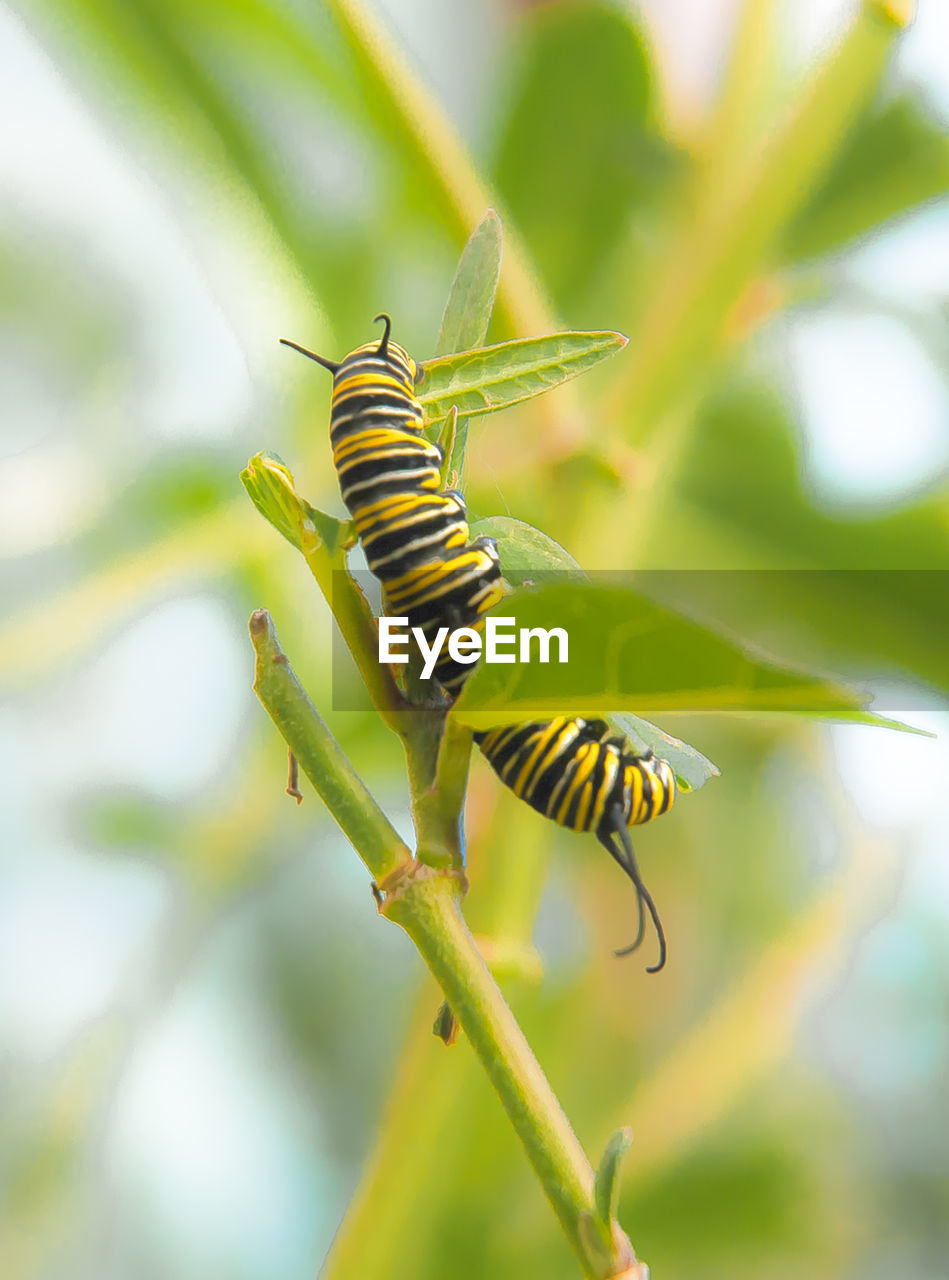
(419, 125)
(432, 1112)
(320, 756)
(435, 813)
(735, 237)
(424, 901)
(741, 114)
(742, 203)
(446, 792)
(357, 626)
(429, 913)
(423, 126)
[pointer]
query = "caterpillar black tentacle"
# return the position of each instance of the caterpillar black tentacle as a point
(311, 355)
(415, 536)
(627, 860)
(574, 772)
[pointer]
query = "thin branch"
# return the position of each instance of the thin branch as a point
(437, 752)
(320, 756)
(417, 119)
(429, 1115)
(735, 237)
(358, 628)
(415, 113)
(428, 910)
(423, 900)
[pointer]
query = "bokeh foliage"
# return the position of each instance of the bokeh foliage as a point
(305, 161)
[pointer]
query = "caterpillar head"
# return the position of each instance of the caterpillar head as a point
(397, 358)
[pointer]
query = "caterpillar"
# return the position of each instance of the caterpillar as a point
(573, 771)
(415, 536)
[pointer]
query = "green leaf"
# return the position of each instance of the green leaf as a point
(471, 297)
(333, 533)
(491, 378)
(445, 1026)
(155, 57)
(579, 152)
(625, 650)
(896, 158)
(858, 591)
(691, 768)
(269, 484)
(606, 1185)
(459, 444)
(597, 1228)
(446, 440)
(524, 549)
(467, 316)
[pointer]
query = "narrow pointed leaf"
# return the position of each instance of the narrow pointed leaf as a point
(606, 1185)
(467, 316)
(459, 446)
(625, 650)
(691, 768)
(524, 549)
(446, 440)
(492, 378)
(471, 298)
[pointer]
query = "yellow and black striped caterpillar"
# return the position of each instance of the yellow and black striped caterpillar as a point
(415, 538)
(416, 542)
(576, 773)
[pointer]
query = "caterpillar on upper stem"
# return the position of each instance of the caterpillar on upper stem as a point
(415, 538)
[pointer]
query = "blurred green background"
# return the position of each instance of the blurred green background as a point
(209, 1042)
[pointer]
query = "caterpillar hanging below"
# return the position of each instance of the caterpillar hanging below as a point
(415, 537)
(574, 772)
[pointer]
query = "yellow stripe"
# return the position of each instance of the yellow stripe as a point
(636, 786)
(396, 504)
(407, 520)
(372, 349)
(611, 768)
(582, 779)
(658, 792)
(431, 575)
(579, 822)
(575, 781)
(420, 462)
(371, 379)
(552, 730)
(426, 478)
(668, 783)
(498, 737)
(375, 437)
(511, 765)
(409, 599)
(566, 736)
